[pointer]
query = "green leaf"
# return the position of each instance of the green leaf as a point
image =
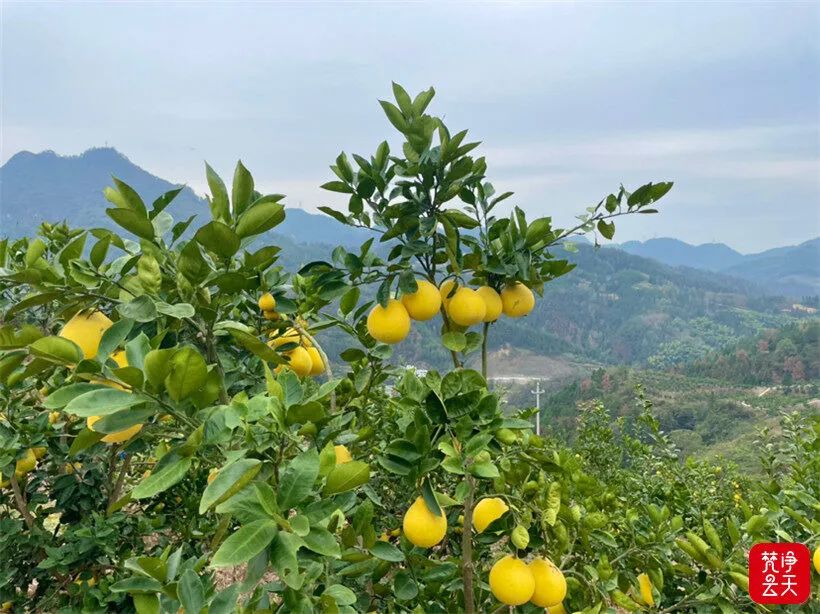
(260, 218)
(145, 603)
(550, 513)
(121, 420)
(163, 479)
(607, 229)
(136, 584)
(220, 209)
(218, 238)
(57, 349)
(133, 222)
(337, 186)
(187, 373)
(36, 248)
(129, 197)
(84, 440)
(404, 587)
(63, 396)
(231, 478)
(347, 477)
(141, 309)
(102, 402)
(321, 541)
(254, 345)
(430, 499)
(298, 479)
(454, 341)
(387, 552)
(113, 338)
(342, 595)
(157, 366)
(245, 543)
(403, 98)
(225, 601)
(191, 592)
(242, 188)
(179, 311)
(422, 100)
(394, 115)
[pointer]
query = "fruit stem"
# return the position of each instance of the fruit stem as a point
(486, 332)
(20, 500)
(467, 548)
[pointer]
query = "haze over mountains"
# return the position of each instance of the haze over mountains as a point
(49, 187)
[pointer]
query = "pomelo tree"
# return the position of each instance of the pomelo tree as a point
(174, 434)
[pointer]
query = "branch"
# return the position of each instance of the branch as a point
(20, 500)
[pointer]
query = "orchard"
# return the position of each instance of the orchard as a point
(175, 438)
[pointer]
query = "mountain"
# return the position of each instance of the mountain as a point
(49, 187)
(709, 256)
(791, 271)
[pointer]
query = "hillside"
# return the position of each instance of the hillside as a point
(715, 406)
(791, 271)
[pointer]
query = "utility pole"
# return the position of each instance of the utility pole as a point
(538, 392)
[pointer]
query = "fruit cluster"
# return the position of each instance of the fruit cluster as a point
(463, 306)
(512, 581)
(304, 359)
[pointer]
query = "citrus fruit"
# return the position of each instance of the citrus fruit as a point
(487, 511)
(119, 436)
(389, 324)
(816, 559)
(492, 303)
(645, 584)
(86, 329)
(466, 307)
(270, 315)
(317, 367)
(290, 335)
(517, 300)
(550, 585)
(342, 455)
(424, 303)
(445, 289)
(557, 609)
(511, 581)
(267, 302)
(53, 417)
(120, 358)
(39, 452)
(299, 361)
(26, 464)
(421, 527)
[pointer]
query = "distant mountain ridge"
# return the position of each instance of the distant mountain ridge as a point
(49, 187)
(793, 270)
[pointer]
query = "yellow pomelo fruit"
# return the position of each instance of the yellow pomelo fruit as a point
(645, 584)
(212, 475)
(492, 303)
(267, 302)
(488, 510)
(299, 361)
(444, 291)
(389, 324)
(517, 300)
(53, 417)
(39, 452)
(424, 303)
(421, 527)
(119, 436)
(342, 455)
(511, 581)
(26, 464)
(72, 467)
(290, 335)
(466, 307)
(270, 315)
(816, 559)
(317, 366)
(86, 329)
(120, 358)
(550, 584)
(557, 609)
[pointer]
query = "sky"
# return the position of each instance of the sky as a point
(569, 99)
